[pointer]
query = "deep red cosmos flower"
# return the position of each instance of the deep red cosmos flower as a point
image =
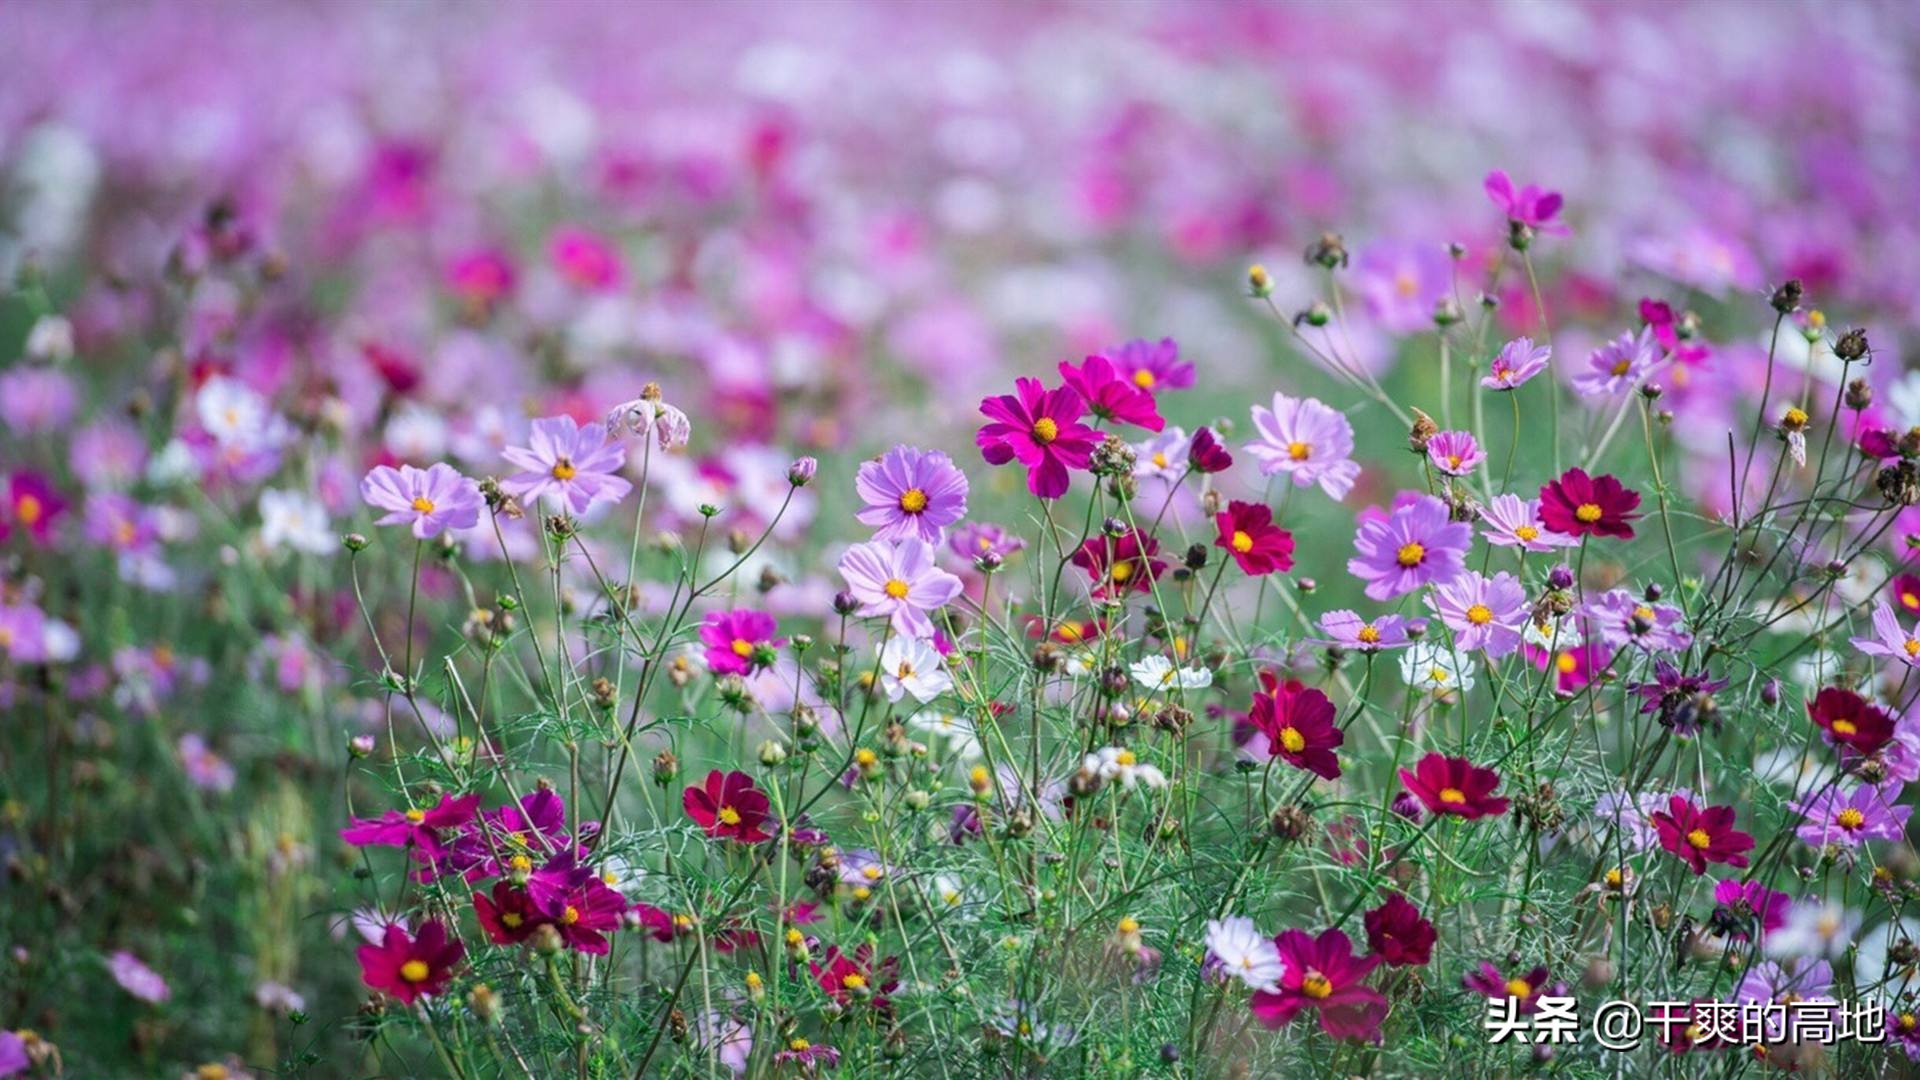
(1851, 721)
(1205, 453)
(1041, 429)
(1524, 988)
(1399, 934)
(417, 828)
(1111, 397)
(850, 977)
(658, 923)
(1323, 974)
(509, 916)
(1120, 564)
(728, 807)
(1701, 836)
(409, 966)
(1299, 723)
(1454, 785)
(33, 505)
(1247, 532)
(1581, 505)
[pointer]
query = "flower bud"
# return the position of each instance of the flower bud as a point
(354, 542)
(1259, 282)
(665, 767)
(772, 753)
(1852, 345)
(800, 473)
(1786, 298)
(844, 603)
(1327, 252)
(1859, 395)
(1560, 577)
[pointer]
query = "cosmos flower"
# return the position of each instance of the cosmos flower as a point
(1700, 836)
(1517, 361)
(1119, 763)
(1349, 631)
(296, 521)
(1247, 533)
(1455, 453)
(1040, 429)
(413, 827)
(1485, 614)
(649, 417)
(1579, 505)
(429, 500)
(585, 259)
(1158, 674)
(1300, 724)
(1417, 544)
(1850, 721)
(1748, 908)
(1817, 928)
(739, 641)
(911, 492)
(508, 916)
(567, 464)
(1323, 975)
(136, 978)
(1399, 934)
(411, 966)
(975, 539)
(912, 666)
(1433, 667)
(1307, 441)
(1243, 952)
(1206, 455)
(237, 417)
(1511, 521)
(900, 581)
(1109, 396)
(1403, 282)
(1523, 988)
(1118, 565)
(1152, 365)
(1163, 456)
(1618, 365)
(1617, 618)
(1532, 206)
(1867, 812)
(1454, 785)
(853, 977)
(1889, 639)
(727, 806)
(34, 506)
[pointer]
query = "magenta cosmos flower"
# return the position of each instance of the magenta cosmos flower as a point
(1517, 361)
(431, 500)
(1041, 429)
(585, 259)
(33, 506)
(408, 966)
(911, 492)
(1152, 365)
(1306, 440)
(1484, 613)
(1322, 974)
(413, 827)
(1523, 988)
(1418, 544)
(1247, 533)
(1455, 453)
(727, 806)
(1865, 813)
(739, 641)
(1111, 396)
(1454, 785)
(900, 581)
(1532, 205)
(568, 464)
(1511, 521)
(1699, 836)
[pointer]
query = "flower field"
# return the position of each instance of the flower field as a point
(959, 540)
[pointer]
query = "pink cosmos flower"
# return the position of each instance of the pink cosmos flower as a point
(1402, 282)
(1889, 639)
(1483, 613)
(1511, 521)
(900, 581)
(481, 278)
(431, 500)
(1846, 818)
(1152, 366)
(1307, 441)
(34, 400)
(1041, 429)
(585, 259)
(1618, 365)
(208, 770)
(738, 641)
(1111, 397)
(137, 978)
(911, 492)
(973, 540)
(1517, 361)
(1455, 453)
(23, 633)
(1324, 975)
(1349, 631)
(566, 463)
(1532, 206)
(1418, 544)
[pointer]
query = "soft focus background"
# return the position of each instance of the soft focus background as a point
(823, 228)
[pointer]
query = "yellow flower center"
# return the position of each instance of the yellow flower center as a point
(415, 971)
(1912, 647)
(1453, 461)
(1242, 542)
(1850, 819)
(571, 915)
(1796, 416)
(1292, 740)
(1411, 553)
(423, 504)
(1527, 532)
(798, 1044)
(511, 920)
(742, 648)
(1910, 600)
(1368, 634)
(1479, 614)
(895, 588)
(1519, 988)
(1121, 571)
(728, 816)
(1437, 675)
(1642, 611)
(861, 892)
(865, 757)
(1129, 925)
(416, 816)
(1845, 727)
(28, 509)
(1699, 838)
(1316, 985)
(1124, 757)
(1159, 459)
(1045, 429)
(913, 500)
(1143, 379)
(854, 981)
(1452, 795)
(1299, 451)
(1615, 878)
(1622, 366)
(1070, 632)
(1566, 663)
(1589, 512)
(520, 864)
(564, 470)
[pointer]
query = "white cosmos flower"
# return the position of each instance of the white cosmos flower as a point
(237, 417)
(1546, 635)
(1158, 673)
(291, 519)
(1433, 667)
(912, 666)
(1244, 952)
(957, 730)
(1814, 929)
(1118, 763)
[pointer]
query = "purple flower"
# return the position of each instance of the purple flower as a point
(911, 493)
(1632, 819)
(1305, 440)
(980, 538)
(1619, 618)
(1865, 813)
(1796, 983)
(566, 463)
(14, 1059)
(1618, 365)
(23, 633)
(1889, 639)
(137, 978)
(1483, 613)
(1402, 282)
(1517, 361)
(1418, 544)
(1515, 522)
(900, 581)
(430, 500)
(1455, 453)
(1532, 205)
(1152, 365)
(208, 770)
(34, 400)
(1349, 631)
